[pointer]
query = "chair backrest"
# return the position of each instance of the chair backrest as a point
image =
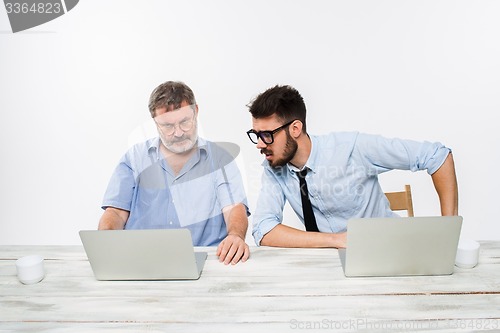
(401, 200)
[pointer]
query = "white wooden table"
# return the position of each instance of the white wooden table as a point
(277, 290)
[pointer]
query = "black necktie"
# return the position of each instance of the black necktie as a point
(309, 219)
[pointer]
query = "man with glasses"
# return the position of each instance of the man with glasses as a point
(179, 180)
(331, 178)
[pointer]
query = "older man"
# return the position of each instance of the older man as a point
(179, 180)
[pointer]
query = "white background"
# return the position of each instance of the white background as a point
(74, 90)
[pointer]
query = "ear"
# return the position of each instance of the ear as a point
(196, 110)
(296, 129)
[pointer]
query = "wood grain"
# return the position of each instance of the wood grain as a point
(277, 290)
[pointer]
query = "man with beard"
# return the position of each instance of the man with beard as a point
(179, 180)
(340, 172)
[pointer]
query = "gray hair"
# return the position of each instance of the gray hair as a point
(170, 93)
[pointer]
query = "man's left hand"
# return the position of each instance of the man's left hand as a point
(232, 250)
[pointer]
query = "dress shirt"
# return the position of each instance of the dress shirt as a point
(343, 179)
(144, 184)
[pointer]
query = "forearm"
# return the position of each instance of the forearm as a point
(285, 236)
(233, 248)
(236, 220)
(445, 183)
(113, 219)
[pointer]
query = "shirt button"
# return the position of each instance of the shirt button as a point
(171, 222)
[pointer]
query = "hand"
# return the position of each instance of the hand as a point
(233, 249)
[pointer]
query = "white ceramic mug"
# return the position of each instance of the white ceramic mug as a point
(30, 269)
(467, 253)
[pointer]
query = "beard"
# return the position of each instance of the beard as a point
(187, 142)
(289, 151)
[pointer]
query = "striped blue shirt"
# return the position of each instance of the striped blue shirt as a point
(144, 184)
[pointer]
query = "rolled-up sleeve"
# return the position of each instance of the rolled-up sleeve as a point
(385, 154)
(269, 211)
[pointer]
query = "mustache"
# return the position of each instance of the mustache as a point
(178, 139)
(266, 151)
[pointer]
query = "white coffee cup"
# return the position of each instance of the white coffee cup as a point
(467, 253)
(30, 269)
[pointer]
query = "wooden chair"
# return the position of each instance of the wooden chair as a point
(401, 200)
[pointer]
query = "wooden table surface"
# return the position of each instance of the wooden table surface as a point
(277, 290)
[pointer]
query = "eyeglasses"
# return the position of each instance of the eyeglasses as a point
(266, 136)
(169, 129)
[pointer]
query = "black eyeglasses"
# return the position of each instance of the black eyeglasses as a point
(266, 136)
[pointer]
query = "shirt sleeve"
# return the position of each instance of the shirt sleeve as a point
(270, 204)
(120, 190)
(230, 189)
(381, 154)
(229, 186)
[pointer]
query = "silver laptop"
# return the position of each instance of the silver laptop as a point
(401, 246)
(153, 254)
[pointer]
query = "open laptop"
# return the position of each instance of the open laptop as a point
(154, 254)
(401, 246)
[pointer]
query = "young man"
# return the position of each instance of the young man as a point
(339, 173)
(179, 180)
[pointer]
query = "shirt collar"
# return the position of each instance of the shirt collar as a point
(314, 155)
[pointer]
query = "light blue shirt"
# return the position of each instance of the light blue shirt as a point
(145, 185)
(342, 179)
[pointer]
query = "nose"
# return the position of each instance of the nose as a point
(178, 131)
(261, 144)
